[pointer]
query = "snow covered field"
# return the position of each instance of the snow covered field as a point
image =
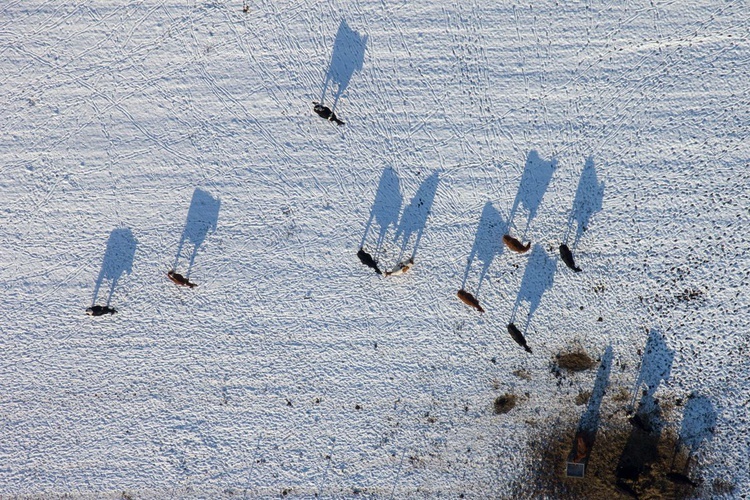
(146, 136)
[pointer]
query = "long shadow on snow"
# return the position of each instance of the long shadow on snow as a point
(414, 218)
(641, 448)
(386, 208)
(656, 365)
(589, 423)
(537, 174)
(538, 277)
(118, 259)
(588, 201)
(202, 218)
(348, 56)
(698, 422)
(488, 243)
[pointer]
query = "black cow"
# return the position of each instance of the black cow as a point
(567, 257)
(100, 310)
(324, 111)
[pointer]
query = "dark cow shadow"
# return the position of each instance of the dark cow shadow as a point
(348, 56)
(202, 218)
(488, 242)
(587, 202)
(118, 259)
(537, 174)
(538, 277)
(698, 423)
(641, 448)
(386, 208)
(589, 423)
(414, 218)
(656, 365)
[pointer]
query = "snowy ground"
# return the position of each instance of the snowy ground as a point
(139, 137)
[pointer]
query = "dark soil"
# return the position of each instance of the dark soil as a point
(504, 403)
(618, 450)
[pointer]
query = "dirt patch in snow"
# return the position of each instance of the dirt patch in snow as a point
(576, 360)
(621, 454)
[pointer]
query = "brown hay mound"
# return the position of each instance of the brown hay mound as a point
(504, 403)
(576, 361)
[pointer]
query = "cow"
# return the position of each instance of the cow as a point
(567, 257)
(367, 260)
(180, 280)
(100, 310)
(518, 336)
(515, 245)
(401, 268)
(469, 300)
(324, 111)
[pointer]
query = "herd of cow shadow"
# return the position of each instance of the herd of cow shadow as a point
(644, 413)
(645, 416)
(386, 214)
(202, 219)
(493, 233)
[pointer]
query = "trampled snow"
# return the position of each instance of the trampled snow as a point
(151, 136)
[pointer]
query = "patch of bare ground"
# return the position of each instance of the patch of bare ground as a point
(624, 460)
(577, 360)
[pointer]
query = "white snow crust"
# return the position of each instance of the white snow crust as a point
(294, 370)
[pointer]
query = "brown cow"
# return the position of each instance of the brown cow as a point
(515, 245)
(469, 300)
(180, 280)
(401, 268)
